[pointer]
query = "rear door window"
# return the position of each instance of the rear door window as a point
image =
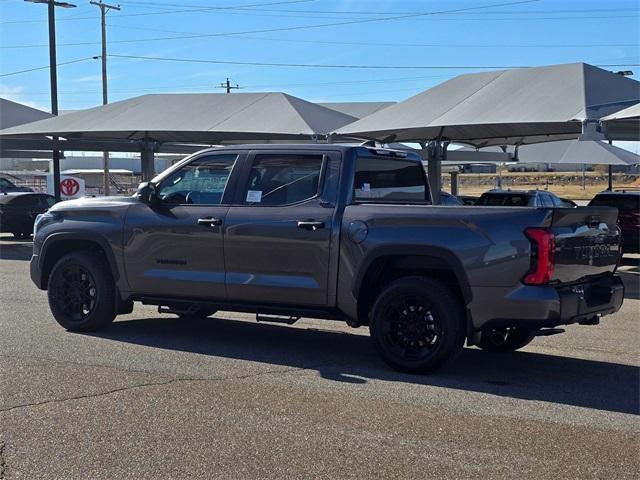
(283, 179)
(389, 180)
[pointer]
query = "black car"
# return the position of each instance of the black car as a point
(521, 198)
(628, 204)
(18, 211)
(7, 185)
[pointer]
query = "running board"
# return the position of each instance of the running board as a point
(276, 319)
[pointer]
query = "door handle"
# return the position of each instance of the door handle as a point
(210, 222)
(310, 225)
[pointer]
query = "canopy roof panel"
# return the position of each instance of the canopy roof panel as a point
(208, 117)
(13, 113)
(507, 106)
(357, 109)
(589, 152)
(624, 124)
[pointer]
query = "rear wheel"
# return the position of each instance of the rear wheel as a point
(81, 292)
(417, 324)
(505, 339)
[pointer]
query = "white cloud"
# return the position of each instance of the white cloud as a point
(16, 94)
(89, 79)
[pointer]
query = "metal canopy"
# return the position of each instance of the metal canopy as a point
(516, 106)
(357, 109)
(575, 152)
(192, 118)
(624, 124)
(12, 114)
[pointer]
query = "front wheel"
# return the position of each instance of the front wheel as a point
(417, 324)
(81, 292)
(503, 340)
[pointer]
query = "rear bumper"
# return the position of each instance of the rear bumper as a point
(534, 307)
(583, 301)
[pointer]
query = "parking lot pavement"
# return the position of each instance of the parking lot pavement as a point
(155, 396)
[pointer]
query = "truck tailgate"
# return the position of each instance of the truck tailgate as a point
(587, 242)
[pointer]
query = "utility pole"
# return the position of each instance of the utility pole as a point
(53, 75)
(104, 8)
(228, 87)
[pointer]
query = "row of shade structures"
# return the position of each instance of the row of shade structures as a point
(506, 107)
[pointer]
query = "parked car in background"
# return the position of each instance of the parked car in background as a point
(568, 203)
(468, 199)
(628, 204)
(521, 198)
(18, 211)
(449, 200)
(7, 185)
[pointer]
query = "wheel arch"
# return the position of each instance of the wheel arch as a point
(59, 244)
(386, 264)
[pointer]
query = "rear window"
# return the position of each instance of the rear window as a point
(621, 202)
(389, 180)
(504, 200)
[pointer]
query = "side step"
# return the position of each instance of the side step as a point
(276, 319)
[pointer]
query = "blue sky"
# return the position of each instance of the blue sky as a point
(478, 34)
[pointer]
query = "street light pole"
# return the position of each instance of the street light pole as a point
(104, 8)
(53, 75)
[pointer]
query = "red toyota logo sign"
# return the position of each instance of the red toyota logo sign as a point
(69, 187)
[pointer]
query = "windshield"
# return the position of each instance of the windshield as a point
(504, 200)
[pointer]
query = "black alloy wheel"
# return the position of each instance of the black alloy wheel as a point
(417, 324)
(76, 292)
(82, 292)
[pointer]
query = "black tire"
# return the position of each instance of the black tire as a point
(198, 312)
(81, 292)
(501, 340)
(417, 324)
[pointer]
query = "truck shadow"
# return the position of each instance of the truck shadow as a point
(350, 358)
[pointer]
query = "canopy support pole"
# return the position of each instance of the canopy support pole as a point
(610, 187)
(455, 177)
(434, 172)
(147, 158)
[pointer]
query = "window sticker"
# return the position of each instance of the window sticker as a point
(366, 187)
(254, 196)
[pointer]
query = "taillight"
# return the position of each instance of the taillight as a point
(543, 249)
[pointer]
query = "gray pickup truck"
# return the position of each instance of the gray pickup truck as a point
(330, 231)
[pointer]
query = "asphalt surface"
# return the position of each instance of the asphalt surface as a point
(159, 397)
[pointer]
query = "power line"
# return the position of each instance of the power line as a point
(189, 10)
(318, 42)
(317, 65)
(48, 66)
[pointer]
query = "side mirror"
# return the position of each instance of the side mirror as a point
(146, 193)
